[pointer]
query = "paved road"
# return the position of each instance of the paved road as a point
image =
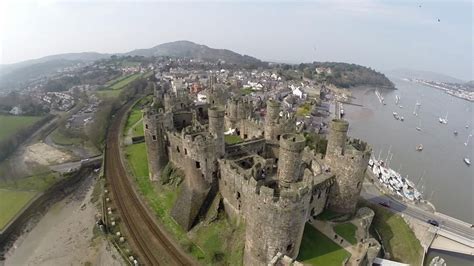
(370, 192)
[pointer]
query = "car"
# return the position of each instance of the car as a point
(385, 204)
(433, 222)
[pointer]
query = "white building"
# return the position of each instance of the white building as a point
(16, 110)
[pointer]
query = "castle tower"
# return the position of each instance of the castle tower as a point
(216, 128)
(271, 119)
(168, 102)
(337, 137)
(348, 160)
(289, 161)
(155, 142)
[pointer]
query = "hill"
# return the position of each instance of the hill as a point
(189, 49)
(343, 75)
(421, 74)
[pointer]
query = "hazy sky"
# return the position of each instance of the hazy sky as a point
(380, 34)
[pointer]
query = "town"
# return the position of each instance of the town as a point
(240, 161)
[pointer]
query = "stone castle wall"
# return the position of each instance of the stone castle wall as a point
(348, 160)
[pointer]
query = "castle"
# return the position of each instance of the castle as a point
(270, 181)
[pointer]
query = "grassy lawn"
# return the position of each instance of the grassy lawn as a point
(136, 156)
(397, 237)
(232, 139)
(246, 91)
(138, 130)
(304, 109)
(123, 82)
(328, 215)
(134, 116)
(346, 231)
(108, 93)
(317, 249)
(60, 139)
(11, 202)
(222, 242)
(37, 182)
(10, 124)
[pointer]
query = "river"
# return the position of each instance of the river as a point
(447, 181)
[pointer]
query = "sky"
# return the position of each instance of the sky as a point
(383, 35)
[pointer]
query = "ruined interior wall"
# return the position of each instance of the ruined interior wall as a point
(250, 129)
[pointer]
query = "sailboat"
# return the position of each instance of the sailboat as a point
(417, 108)
(397, 99)
(467, 140)
(467, 161)
(419, 125)
(444, 120)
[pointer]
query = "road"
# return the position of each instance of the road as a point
(146, 237)
(371, 193)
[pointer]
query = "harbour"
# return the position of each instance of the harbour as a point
(439, 171)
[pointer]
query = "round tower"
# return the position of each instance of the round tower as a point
(271, 120)
(168, 102)
(155, 142)
(289, 159)
(350, 172)
(337, 137)
(216, 128)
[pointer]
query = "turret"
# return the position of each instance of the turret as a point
(216, 128)
(271, 120)
(289, 161)
(155, 142)
(348, 161)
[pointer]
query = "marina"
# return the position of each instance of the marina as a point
(446, 173)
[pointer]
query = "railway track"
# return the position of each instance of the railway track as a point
(146, 237)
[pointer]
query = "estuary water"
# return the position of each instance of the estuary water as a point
(438, 170)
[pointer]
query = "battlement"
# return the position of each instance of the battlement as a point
(292, 142)
(339, 125)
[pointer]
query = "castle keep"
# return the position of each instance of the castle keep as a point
(270, 181)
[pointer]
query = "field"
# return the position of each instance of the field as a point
(317, 249)
(123, 82)
(346, 231)
(397, 237)
(11, 202)
(9, 124)
(134, 116)
(39, 182)
(232, 139)
(60, 139)
(108, 93)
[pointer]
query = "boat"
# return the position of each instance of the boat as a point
(467, 161)
(396, 115)
(467, 140)
(455, 133)
(417, 108)
(393, 181)
(443, 120)
(380, 97)
(397, 99)
(401, 106)
(419, 147)
(402, 118)
(419, 125)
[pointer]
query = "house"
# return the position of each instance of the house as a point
(16, 110)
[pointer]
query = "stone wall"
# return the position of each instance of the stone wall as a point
(155, 142)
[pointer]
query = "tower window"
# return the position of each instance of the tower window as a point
(198, 165)
(185, 151)
(177, 149)
(154, 137)
(146, 126)
(278, 137)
